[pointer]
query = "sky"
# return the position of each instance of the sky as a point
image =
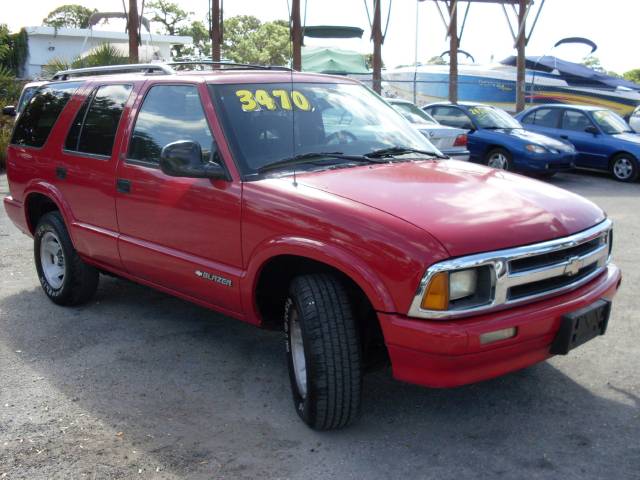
(612, 24)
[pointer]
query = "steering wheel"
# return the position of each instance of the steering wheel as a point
(340, 138)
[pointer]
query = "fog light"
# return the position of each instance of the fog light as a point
(496, 335)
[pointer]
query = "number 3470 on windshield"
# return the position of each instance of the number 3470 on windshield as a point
(253, 101)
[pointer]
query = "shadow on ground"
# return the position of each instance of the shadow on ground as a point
(204, 396)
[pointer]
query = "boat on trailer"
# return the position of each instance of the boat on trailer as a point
(548, 80)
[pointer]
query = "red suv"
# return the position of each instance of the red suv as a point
(305, 202)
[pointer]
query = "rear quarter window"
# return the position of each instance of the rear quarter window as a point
(41, 113)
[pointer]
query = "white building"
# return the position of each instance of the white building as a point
(47, 43)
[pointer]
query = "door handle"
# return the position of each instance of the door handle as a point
(61, 173)
(123, 186)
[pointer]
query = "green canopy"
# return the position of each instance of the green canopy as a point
(332, 60)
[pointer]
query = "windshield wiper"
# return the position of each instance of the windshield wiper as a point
(397, 150)
(311, 157)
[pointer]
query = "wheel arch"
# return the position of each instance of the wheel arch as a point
(41, 198)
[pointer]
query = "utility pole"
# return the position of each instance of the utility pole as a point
(133, 26)
(296, 35)
(215, 30)
(521, 84)
(453, 51)
(376, 35)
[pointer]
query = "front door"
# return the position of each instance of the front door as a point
(588, 144)
(182, 234)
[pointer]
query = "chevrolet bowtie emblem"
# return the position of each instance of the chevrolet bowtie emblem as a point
(574, 264)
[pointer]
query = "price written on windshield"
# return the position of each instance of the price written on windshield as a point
(263, 99)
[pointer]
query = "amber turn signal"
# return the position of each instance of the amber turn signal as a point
(437, 295)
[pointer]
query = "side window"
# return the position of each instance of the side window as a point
(41, 114)
(574, 120)
(170, 113)
(94, 129)
(544, 117)
(452, 117)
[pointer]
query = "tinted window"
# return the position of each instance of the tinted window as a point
(27, 94)
(574, 120)
(452, 117)
(544, 117)
(94, 130)
(41, 113)
(169, 113)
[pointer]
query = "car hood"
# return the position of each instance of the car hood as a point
(469, 208)
(628, 137)
(536, 138)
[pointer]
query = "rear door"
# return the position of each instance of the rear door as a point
(86, 169)
(545, 121)
(588, 145)
(179, 233)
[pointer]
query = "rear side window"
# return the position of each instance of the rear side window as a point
(41, 114)
(94, 128)
(543, 117)
(169, 113)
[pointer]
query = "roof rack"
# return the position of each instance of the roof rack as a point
(229, 65)
(162, 68)
(113, 69)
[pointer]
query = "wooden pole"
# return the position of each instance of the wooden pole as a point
(453, 51)
(216, 37)
(133, 25)
(296, 35)
(376, 34)
(521, 63)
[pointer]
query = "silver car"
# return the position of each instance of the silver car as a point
(449, 140)
(634, 120)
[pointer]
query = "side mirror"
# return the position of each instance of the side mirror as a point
(9, 110)
(184, 159)
(592, 129)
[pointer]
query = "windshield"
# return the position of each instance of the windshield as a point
(270, 122)
(489, 117)
(610, 122)
(413, 113)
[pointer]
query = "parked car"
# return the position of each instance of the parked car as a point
(498, 140)
(449, 140)
(602, 138)
(225, 189)
(634, 120)
(27, 93)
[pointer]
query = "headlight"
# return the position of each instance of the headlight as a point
(459, 288)
(536, 148)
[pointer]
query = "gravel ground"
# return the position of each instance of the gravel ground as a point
(138, 384)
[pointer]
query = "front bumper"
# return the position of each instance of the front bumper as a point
(449, 353)
(545, 163)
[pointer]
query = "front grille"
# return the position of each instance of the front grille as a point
(549, 284)
(541, 261)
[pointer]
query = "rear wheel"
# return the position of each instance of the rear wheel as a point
(64, 277)
(323, 352)
(499, 158)
(624, 168)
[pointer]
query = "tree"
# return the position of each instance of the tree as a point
(633, 75)
(70, 16)
(201, 41)
(594, 63)
(169, 14)
(247, 40)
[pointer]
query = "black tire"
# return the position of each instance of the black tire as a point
(630, 172)
(80, 281)
(500, 151)
(318, 305)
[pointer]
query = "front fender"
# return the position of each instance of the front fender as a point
(320, 251)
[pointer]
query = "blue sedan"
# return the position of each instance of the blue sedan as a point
(498, 140)
(602, 138)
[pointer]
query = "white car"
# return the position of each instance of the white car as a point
(634, 120)
(449, 140)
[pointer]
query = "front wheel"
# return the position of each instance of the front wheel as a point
(499, 158)
(624, 168)
(323, 352)
(64, 277)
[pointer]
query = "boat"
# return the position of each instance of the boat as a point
(548, 80)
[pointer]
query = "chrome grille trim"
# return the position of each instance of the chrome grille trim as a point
(503, 279)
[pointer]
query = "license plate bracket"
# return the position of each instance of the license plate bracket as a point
(581, 326)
